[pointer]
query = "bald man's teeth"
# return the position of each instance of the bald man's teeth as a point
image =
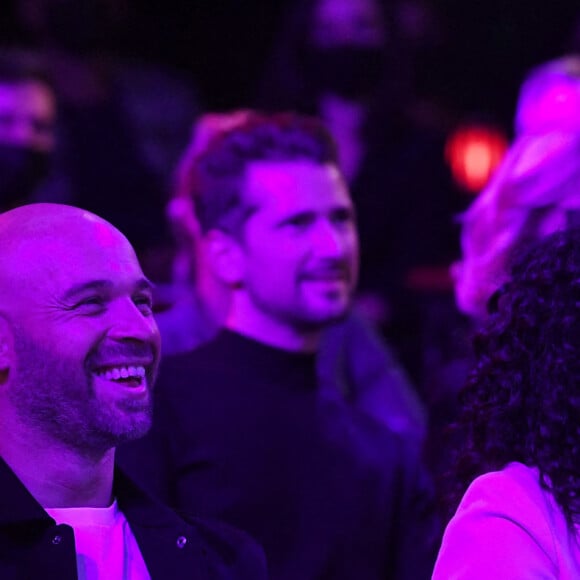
(118, 373)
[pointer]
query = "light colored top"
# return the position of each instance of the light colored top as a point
(508, 527)
(105, 545)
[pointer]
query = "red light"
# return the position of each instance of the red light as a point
(473, 153)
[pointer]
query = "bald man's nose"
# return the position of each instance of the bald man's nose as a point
(129, 322)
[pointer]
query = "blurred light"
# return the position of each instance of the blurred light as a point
(473, 152)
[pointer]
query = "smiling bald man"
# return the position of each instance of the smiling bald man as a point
(79, 351)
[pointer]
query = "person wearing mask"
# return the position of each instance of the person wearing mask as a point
(28, 114)
(122, 121)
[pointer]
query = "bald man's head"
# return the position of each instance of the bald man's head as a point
(79, 344)
(38, 240)
(40, 219)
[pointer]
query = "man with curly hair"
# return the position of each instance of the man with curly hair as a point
(520, 461)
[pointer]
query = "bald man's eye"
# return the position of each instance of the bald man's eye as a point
(91, 305)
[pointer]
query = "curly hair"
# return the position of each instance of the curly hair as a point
(521, 402)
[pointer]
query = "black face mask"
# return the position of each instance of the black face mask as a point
(349, 71)
(21, 171)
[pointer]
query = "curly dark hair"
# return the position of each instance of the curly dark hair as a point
(216, 177)
(521, 402)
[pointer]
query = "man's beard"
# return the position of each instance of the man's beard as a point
(57, 397)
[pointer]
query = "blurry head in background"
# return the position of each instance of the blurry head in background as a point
(273, 218)
(343, 47)
(536, 189)
(363, 50)
(27, 126)
(549, 99)
(343, 53)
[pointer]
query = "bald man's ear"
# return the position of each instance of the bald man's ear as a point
(225, 257)
(6, 350)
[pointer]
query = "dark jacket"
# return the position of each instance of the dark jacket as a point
(242, 433)
(32, 545)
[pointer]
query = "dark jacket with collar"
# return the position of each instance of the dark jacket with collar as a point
(32, 545)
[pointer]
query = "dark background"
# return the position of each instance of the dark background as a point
(490, 45)
(224, 44)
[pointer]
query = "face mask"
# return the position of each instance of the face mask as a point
(349, 71)
(21, 171)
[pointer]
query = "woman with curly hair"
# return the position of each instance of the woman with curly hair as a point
(520, 462)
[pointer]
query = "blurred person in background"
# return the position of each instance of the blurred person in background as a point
(28, 114)
(244, 426)
(122, 122)
(354, 361)
(535, 191)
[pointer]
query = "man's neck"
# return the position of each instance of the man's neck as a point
(277, 334)
(56, 475)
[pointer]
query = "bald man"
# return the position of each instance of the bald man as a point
(79, 351)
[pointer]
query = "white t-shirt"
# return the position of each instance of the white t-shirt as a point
(105, 545)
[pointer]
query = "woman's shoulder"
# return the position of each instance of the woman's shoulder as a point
(514, 492)
(507, 525)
